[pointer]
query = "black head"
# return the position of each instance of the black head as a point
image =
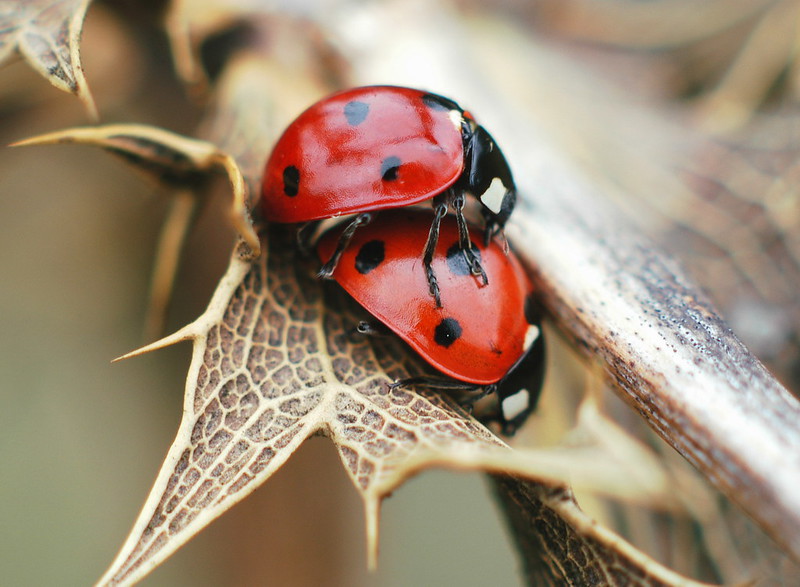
(488, 177)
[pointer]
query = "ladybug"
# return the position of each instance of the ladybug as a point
(483, 338)
(373, 148)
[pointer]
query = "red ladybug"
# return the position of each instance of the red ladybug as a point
(379, 147)
(483, 337)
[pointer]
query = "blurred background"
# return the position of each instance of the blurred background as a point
(81, 440)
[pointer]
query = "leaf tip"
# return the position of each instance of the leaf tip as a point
(37, 140)
(240, 214)
(49, 138)
(90, 105)
(372, 510)
(185, 333)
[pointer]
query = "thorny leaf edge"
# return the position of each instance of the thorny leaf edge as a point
(64, 71)
(197, 332)
(136, 140)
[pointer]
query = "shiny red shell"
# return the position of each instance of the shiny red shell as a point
(363, 149)
(382, 270)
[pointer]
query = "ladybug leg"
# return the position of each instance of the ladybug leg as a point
(472, 392)
(463, 240)
(475, 392)
(440, 211)
(344, 239)
(435, 383)
(305, 234)
(371, 328)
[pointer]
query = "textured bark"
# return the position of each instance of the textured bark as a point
(672, 357)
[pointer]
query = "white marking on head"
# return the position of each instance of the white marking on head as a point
(516, 404)
(531, 335)
(494, 195)
(456, 118)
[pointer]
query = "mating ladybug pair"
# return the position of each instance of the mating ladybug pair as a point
(467, 308)
(382, 147)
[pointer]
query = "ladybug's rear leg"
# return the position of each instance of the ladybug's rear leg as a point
(440, 211)
(475, 392)
(473, 262)
(433, 382)
(326, 272)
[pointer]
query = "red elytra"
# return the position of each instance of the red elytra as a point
(478, 334)
(364, 149)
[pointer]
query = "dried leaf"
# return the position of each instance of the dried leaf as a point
(247, 133)
(275, 362)
(265, 376)
(170, 158)
(578, 550)
(46, 33)
(180, 163)
(264, 31)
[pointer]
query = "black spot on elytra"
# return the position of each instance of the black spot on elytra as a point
(438, 102)
(369, 256)
(390, 168)
(291, 180)
(456, 262)
(447, 332)
(356, 112)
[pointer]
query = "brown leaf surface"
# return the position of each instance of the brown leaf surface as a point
(46, 33)
(265, 376)
(274, 363)
(547, 520)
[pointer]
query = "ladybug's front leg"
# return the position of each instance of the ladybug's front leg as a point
(305, 236)
(473, 262)
(440, 211)
(326, 272)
